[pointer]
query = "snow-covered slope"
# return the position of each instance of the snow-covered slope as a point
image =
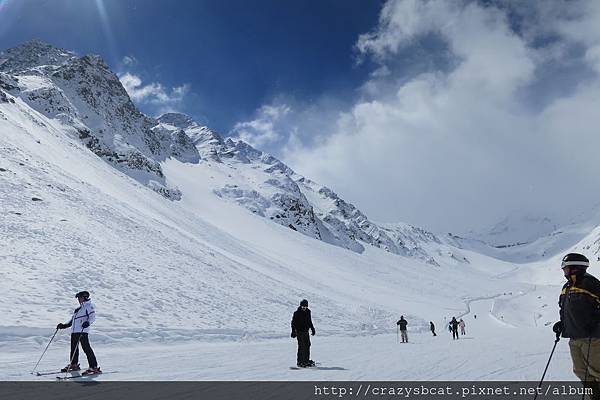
(85, 96)
(516, 230)
(269, 188)
(71, 221)
(542, 243)
(75, 216)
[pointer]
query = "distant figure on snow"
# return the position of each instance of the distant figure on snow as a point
(454, 328)
(82, 318)
(402, 325)
(475, 316)
(461, 323)
(432, 327)
(301, 323)
(450, 326)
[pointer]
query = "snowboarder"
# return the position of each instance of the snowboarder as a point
(432, 327)
(301, 323)
(80, 322)
(454, 328)
(461, 323)
(579, 304)
(402, 325)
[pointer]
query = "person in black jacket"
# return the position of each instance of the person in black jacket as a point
(301, 323)
(454, 328)
(579, 304)
(432, 327)
(402, 325)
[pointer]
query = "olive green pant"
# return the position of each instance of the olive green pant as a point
(585, 354)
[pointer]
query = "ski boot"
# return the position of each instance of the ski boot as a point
(70, 367)
(310, 363)
(92, 371)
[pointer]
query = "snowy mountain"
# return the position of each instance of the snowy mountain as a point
(528, 239)
(215, 275)
(71, 135)
(88, 98)
(267, 187)
(515, 230)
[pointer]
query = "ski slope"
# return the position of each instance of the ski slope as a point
(209, 287)
(490, 350)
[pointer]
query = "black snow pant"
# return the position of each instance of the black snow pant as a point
(454, 333)
(85, 345)
(433, 331)
(303, 347)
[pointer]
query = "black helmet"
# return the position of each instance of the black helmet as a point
(304, 302)
(575, 260)
(84, 293)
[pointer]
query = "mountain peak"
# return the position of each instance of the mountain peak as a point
(178, 120)
(33, 53)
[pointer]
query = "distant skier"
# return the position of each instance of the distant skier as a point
(475, 316)
(579, 304)
(461, 323)
(454, 328)
(450, 326)
(402, 325)
(301, 323)
(82, 318)
(432, 327)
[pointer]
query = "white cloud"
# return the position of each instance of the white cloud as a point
(460, 148)
(262, 130)
(129, 61)
(153, 92)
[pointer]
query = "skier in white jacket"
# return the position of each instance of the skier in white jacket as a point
(80, 322)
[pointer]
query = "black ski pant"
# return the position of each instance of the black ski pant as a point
(303, 347)
(433, 331)
(454, 333)
(85, 345)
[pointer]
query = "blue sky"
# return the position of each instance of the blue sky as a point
(233, 56)
(449, 115)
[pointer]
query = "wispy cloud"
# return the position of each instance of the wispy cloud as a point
(153, 92)
(129, 61)
(263, 129)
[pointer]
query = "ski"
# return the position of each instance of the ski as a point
(47, 373)
(82, 375)
(64, 378)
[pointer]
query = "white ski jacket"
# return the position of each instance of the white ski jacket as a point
(86, 312)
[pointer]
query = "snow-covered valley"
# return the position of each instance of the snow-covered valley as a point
(199, 253)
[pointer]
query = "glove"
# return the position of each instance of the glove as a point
(85, 324)
(60, 326)
(557, 328)
(312, 331)
(293, 334)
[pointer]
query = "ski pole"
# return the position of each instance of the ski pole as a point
(48, 345)
(587, 368)
(547, 364)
